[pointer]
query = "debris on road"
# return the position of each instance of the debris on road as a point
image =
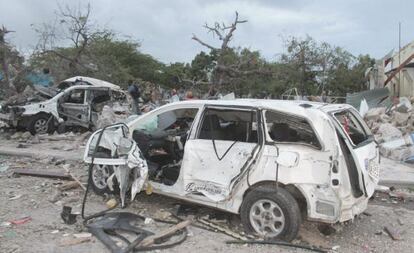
(39, 173)
(21, 221)
(73, 241)
(394, 234)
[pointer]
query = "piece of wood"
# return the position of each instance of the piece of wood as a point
(38, 173)
(75, 241)
(69, 186)
(171, 230)
(74, 178)
(223, 230)
(392, 233)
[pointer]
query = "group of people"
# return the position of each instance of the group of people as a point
(136, 92)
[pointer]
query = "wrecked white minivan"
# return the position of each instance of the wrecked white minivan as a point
(76, 101)
(273, 162)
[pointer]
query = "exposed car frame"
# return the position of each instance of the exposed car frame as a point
(267, 179)
(45, 116)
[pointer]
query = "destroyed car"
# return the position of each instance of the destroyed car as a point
(272, 162)
(76, 101)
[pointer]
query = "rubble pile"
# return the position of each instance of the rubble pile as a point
(393, 129)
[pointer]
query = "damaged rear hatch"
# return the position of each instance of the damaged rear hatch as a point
(359, 148)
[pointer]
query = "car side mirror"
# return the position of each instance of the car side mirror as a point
(288, 159)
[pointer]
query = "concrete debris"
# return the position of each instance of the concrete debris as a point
(394, 234)
(393, 129)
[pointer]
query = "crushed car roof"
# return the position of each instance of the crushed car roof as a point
(93, 82)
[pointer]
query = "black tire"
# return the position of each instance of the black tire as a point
(41, 124)
(98, 186)
(285, 202)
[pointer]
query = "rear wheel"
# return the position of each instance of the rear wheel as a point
(271, 213)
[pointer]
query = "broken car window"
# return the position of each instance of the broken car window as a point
(352, 127)
(229, 125)
(98, 99)
(179, 118)
(288, 128)
(76, 97)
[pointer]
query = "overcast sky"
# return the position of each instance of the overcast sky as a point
(165, 27)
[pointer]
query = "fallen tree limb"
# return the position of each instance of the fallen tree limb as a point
(74, 178)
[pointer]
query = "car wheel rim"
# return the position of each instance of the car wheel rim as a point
(40, 126)
(100, 175)
(266, 218)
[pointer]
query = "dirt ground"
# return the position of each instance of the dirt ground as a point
(39, 199)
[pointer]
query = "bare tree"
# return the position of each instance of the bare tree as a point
(5, 51)
(223, 73)
(74, 26)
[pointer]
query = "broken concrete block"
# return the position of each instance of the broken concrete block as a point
(16, 135)
(400, 119)
(398, 154)
(388, 132)
(404, 105)
(392, 233)
(375, 114)
(385, 118)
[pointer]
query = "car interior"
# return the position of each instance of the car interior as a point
(229, 125)
(290, 129)
(161, 139)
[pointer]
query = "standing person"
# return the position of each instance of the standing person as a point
(189, 95)
(135, 93)
(174, 96)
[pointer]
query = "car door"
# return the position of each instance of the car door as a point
(220, 151)
(361, 146)
(75, 107)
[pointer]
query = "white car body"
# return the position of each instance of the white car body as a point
(20, 115)
(318, 176)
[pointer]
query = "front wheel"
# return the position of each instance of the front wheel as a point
(271, 213)
(41, 124)
(99, 176)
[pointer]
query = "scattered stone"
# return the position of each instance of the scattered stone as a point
(112, 203)
(56, 196)
(16, 197)
(400, 221)
(68, 186)
(82, 235)
(392, 233)
(26, 135)
(336, 247)
(148, 221)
